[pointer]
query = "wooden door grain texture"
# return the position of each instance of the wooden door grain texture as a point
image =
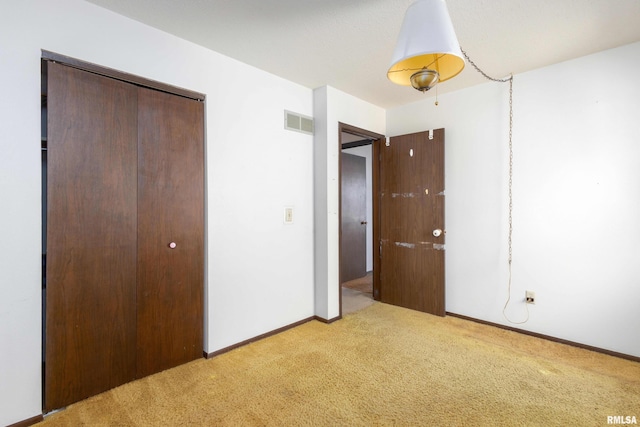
(411, 207)
(170, 289)
(91, 235)
(353, 216)
(125, 180)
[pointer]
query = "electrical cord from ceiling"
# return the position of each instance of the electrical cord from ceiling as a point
(510, 240)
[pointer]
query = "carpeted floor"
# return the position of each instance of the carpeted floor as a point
(383, 366)
(362, 284)
(357, 294)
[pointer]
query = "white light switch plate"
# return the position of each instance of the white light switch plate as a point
(288, 215)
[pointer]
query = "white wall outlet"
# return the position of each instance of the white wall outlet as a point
(530, 297)
(288, 215)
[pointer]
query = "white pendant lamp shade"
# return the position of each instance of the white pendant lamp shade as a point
(427, 51)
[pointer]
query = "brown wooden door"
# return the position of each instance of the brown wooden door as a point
(91, 237)
(411, 207)
(353, 240)
(170, 212)
(125, 170)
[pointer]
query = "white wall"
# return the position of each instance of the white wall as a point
(576, 187)
(254, 169)
(332, 107)
(366, 151)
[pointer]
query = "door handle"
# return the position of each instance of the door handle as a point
(172, 245)
(437, 232)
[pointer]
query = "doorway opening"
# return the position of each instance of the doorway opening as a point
(358, 210)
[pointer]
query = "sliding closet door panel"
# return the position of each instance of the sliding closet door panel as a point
(91, 235)
(170, 231)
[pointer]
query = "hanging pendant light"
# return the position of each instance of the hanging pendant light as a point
(427, 51)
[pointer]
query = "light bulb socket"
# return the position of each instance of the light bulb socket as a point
(424, 79)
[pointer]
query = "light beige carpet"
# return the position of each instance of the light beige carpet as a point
(382, 366)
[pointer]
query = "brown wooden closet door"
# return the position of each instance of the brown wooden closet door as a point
(170, 231)
(91, 235)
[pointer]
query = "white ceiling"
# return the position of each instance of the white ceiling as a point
(347, 44)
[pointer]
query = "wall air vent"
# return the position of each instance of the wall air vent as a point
(298, 122)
